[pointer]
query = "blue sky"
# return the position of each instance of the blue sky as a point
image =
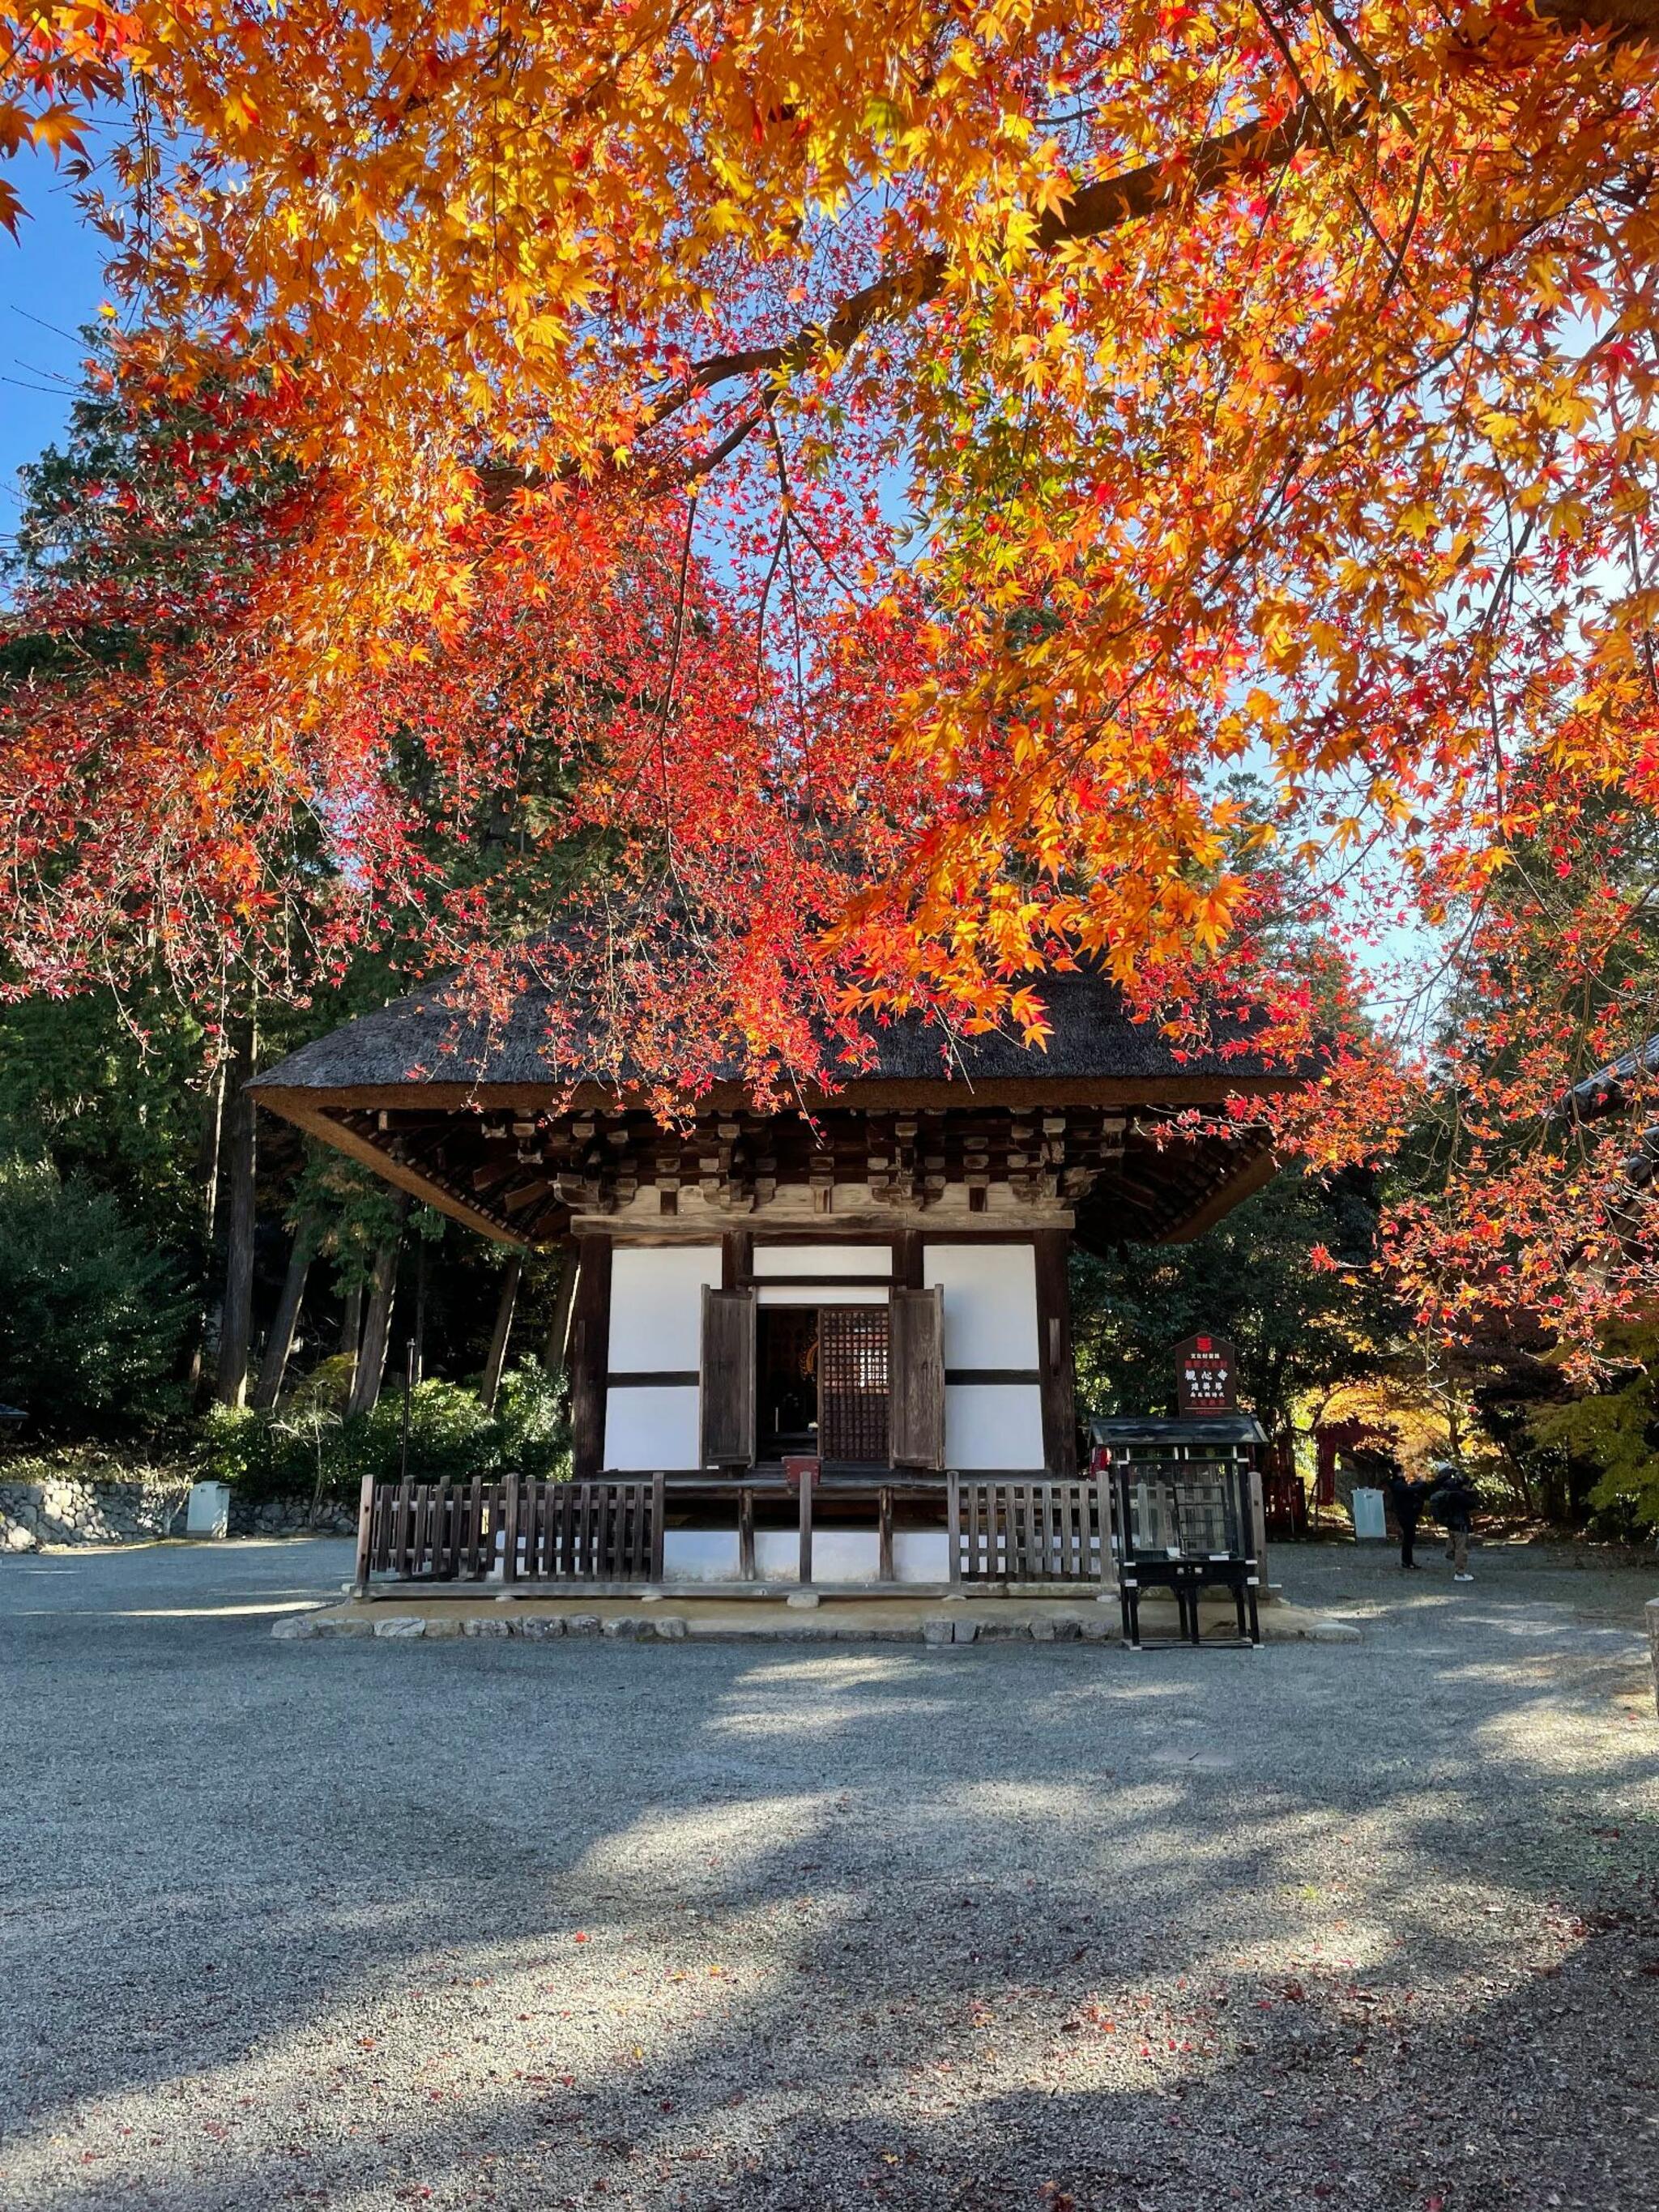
(52, 276)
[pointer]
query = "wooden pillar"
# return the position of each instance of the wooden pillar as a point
(1053, 1300)
(590, 1353)
(907, 1259)
(501, 1335)
(736, 1258)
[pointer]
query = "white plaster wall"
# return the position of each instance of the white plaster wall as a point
(777, 1555)
(820, 1294)
(824, 1259)
(990, 1309)
(700, 1555)
(993, 1424)
(921, 1555)
(846, 1555)
(651, 1427)
(839, 1555)
(656, 1310)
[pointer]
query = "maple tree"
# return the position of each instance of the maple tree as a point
(1252, 382)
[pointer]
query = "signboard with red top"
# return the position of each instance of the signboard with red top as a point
(1206, 1377)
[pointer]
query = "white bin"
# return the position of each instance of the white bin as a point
(1369, 1525)
(207, 1513)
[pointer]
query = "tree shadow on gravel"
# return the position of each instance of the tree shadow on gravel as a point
(610, 1925)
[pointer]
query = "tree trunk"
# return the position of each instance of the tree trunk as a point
(377, 1331)
(351, 1321)
(236, 1313)
(1520, 1480)
(417, 1334)
(207, 1173)
(502, 1334)
(280, 1342)
(558, 1325)
(213, 1138)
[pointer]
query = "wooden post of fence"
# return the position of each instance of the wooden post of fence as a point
(510, 1533)
(405, 1530)
(806, 1525)
(1258, 1510)
(1104, 1512)
(365, 1529)
(953, 1524)
(658, 1490)
(746, 1534)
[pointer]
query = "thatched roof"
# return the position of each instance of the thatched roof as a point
(431, 1039)
(1609, 1090)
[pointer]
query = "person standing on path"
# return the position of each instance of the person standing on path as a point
(1406, 1498)
(1452, 1500)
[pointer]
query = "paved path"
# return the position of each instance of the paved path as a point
(1022, 1926)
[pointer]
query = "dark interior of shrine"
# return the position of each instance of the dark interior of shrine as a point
(787, 1380)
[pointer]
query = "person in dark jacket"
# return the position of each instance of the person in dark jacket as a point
(1406, 1498)
(1452, 1502)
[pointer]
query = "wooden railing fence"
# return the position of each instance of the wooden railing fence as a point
(1005, 1529)
(999, 1528)
(524, 1531)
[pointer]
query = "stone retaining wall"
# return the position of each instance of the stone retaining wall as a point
(82, 1510)
(291, 1516)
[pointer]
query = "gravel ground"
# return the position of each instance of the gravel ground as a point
(1020, 1926)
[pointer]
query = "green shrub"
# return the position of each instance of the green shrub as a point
(1608, 1438)
(451, 1439)
(240, 1446)
(533, 1426)
(91, 1316)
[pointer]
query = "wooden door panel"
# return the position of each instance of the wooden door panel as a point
(727, 1378)
(917, 1400)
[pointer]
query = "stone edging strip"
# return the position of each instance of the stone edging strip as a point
(673, 1628)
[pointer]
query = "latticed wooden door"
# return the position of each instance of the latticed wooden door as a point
(852, 1382)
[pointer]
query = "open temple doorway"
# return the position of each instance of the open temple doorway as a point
(822, 1376)
(787, 1380)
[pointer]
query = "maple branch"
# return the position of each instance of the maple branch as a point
(1625, 19)
(1110, 202)
(1094, 209)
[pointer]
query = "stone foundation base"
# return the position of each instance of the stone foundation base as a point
(857, 1619)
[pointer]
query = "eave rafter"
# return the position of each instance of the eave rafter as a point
(519, 1173)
